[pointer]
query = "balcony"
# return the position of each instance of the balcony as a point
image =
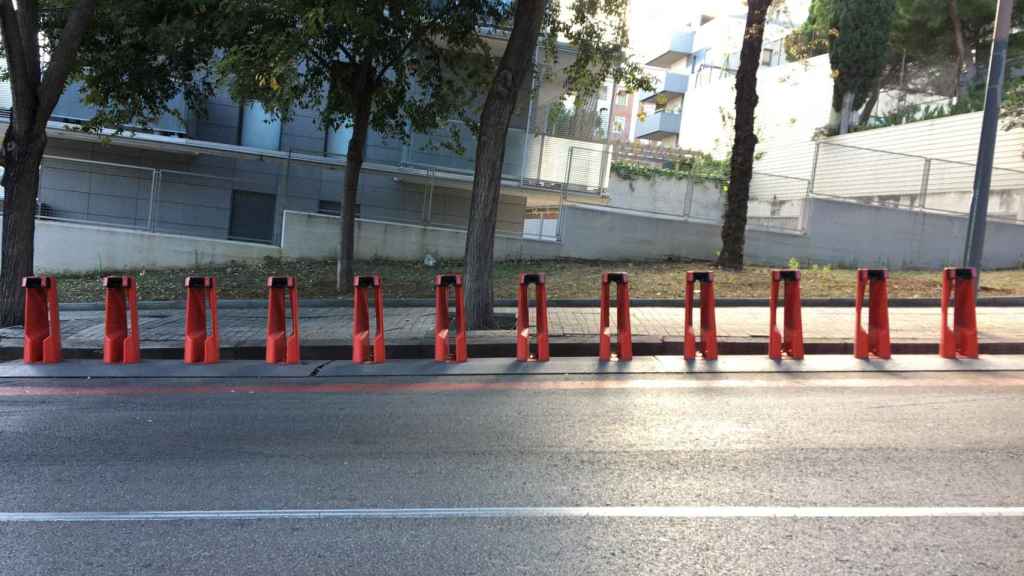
(679, 46)
(659, 125)
(670, 85)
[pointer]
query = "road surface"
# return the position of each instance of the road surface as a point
(766, 474)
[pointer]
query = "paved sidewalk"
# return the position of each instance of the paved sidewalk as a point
(162, 328)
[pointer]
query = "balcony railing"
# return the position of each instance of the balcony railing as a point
(659, 124)
(670, 84)
(679, 46)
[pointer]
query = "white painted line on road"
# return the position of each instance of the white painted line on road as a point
(738, 512)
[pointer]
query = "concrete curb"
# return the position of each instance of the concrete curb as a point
(495, 347)
(88, 377)
(260, 304)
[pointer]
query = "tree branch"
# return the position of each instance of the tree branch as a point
(63, 59)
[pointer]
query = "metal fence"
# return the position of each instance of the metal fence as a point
(911, 182)
(241, 198)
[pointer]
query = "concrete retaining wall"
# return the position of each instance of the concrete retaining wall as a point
(308, 235)
(839, 233)
(65, 247)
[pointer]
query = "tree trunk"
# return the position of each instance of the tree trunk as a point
(967, 70)
(350, 189)
(515, 67)
(846, 114)
(22, 155)
(734, 222)
(869, 107)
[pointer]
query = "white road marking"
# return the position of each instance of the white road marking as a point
(739, 512)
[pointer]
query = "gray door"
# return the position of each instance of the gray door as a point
(252, 217)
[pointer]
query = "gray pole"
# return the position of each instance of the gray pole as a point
(975, 243)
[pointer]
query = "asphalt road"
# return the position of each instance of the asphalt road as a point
(820, 444)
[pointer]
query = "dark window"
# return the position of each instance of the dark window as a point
(329, 207)
(252, 216)
(333, 208)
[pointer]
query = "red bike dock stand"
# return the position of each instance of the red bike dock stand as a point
(121, 334)
(361, 349)
(42, 320)
(625, 334)
(791, 339)
(523, 319)
(200, 347)
(960, 339)
(442, 322)
(708, 346)
(281, 346)
(874, 340)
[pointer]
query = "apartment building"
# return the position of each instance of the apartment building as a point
(232, 171)
(692, 59)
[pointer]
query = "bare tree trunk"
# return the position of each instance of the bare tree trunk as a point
(34, 93)
(734, 222)
(515, 67)
(967, 70)
(350, 189)
(846, 113)
(22, 155)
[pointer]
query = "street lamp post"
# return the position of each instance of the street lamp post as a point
(975, 242)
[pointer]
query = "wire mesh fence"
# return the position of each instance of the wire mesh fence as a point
(242, 198)
(910, 182)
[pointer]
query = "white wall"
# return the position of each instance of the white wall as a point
(307, 235)
(65, 247)
(794, 100)
(838, 233)
(666, 195)
(892, 162)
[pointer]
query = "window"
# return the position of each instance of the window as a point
(622, 99)
(767, 56)
(329, 207)
(252, 216)
(259, 129)
(618, 125)
(337, 141)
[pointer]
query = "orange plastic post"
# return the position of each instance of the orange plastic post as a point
(42, 320)
(962, 337)
(361, 350)
(200, 346)
(875, 339)
(281, 346)
(523, 319)
(121, 333)
(625, 334)
(791, 340)
(442, 322)
(708, 345)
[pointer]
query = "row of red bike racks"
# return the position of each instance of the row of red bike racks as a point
(874, 339)
(121, 320)
(443, 349)
(624, 336)
(959, 335)
(960, 338)
(708, 345)
(361, 349)
(281, 346)
(540, 318)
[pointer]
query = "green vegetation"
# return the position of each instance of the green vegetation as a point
(699, 167)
